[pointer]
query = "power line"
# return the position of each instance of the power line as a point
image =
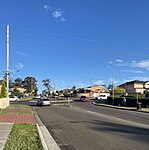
(82, 39)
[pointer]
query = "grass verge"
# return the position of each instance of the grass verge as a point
(17, 109)
(23, 137)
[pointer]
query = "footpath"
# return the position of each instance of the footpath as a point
(17, 115)
(145, 110)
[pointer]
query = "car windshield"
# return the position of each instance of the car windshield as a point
(11, 96)
(45, 99)
(83, 96)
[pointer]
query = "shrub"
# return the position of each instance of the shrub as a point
(3, 90)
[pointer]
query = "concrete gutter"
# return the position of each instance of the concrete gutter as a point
(122, 108)
(47, 140)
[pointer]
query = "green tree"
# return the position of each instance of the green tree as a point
(18, 82)
(73, 88)
(110, 87)
(146, 92)
(30, 84)
(3, 90)
(47, 84)
(119, 91)
(11, 83)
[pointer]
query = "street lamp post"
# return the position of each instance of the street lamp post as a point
(112, 82)
(7, 60)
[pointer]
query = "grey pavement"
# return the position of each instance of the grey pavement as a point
(5, 129)
(46, 138)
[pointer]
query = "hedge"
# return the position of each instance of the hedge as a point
(130, 101)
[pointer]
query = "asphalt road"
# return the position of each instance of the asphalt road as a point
(83, 126)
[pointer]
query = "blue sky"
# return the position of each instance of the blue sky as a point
(70, 42)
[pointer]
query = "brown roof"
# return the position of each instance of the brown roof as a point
(132, 82)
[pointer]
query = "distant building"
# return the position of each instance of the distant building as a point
(91, 91)
(97, 88)
(20, 89)
(135, 86)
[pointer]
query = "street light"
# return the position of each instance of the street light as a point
(7, 60)
(112, 82)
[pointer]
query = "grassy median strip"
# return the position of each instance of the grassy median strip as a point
(24, 137)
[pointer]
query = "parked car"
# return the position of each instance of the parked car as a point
(103, 96)
(13, 98)
(43, 102)
(83, 98)
(36, 96)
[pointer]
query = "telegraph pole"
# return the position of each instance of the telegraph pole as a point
(7, 60)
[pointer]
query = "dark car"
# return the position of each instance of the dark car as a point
(83, 98)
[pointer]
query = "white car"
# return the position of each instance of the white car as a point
(101, 97)
(43, 102)
(13, 98)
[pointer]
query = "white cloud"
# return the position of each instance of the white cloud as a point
(110, 62)
(58, 14)
(21, 53)
(19, 66)
(119, 60)
(62, 19)
(99, 82)
(133, 61)
(133, 71)
(121, 64)
(46, 7)
(141, 64)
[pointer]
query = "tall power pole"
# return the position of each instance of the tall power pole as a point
(7, 60)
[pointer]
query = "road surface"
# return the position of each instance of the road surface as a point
(83, 126)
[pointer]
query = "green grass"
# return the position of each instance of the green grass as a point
(17, 109)
(18, 105)
(23, 137)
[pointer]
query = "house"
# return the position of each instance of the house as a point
(96, 90)
(135, 86)
(146, 85)
(20, 89)
(91, 91)
(83, 92)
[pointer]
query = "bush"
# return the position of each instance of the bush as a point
(130, 101)
(3, 90)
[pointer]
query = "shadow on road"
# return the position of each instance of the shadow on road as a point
(128, 131)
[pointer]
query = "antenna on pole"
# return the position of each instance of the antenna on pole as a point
(7, 60)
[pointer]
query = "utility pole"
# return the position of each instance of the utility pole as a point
(7, 60)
